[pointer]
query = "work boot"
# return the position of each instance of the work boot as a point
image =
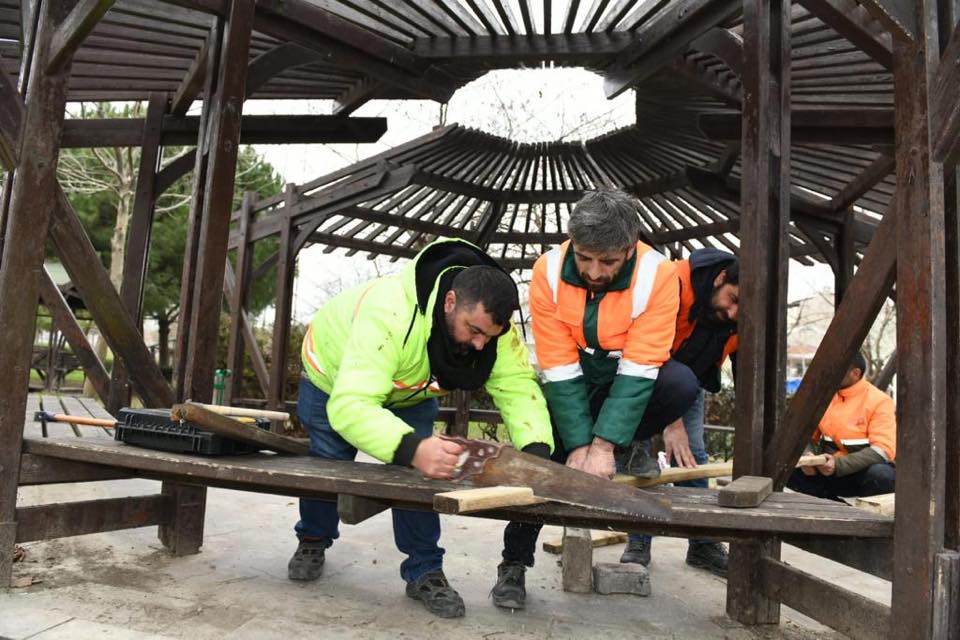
(307, 561)
(637, 552)
(510, 592)
(640, 463)
(711, 556)
(436, 594)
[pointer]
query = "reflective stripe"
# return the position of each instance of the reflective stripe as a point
(426, 384)
(310, 355)
(615, 354)
(646, 277)
(553, 271)
(631, 368)
(883, 454)
(855, 442)
(563, 372)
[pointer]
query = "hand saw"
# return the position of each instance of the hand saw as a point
(489, 464)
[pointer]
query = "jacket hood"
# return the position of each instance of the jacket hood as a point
(440, 255)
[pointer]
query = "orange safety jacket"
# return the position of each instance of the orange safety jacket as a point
(685, 325)
(615, 339)
(859, 416)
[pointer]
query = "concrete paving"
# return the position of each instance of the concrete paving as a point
(124, 586)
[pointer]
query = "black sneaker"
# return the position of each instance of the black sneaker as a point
(637, 552)
(711, 556)
(436, 594)
(510, 592)
(640, 463)
(307, 561)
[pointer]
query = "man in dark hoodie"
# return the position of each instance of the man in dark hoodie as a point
(376, 358)
(706, 335)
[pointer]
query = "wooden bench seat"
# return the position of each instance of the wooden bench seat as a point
(695, 511)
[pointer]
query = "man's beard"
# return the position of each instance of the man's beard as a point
(459, 348)
(594, 286)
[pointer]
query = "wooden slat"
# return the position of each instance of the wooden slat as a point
(72, 31)
(870, 555)
(852, 21)
(356, 509)
(65, 519)
(598, 538)
(11, 120)
(944, 105)
(192, 82)
(31, 428)
(850, 613)
(230, 428)
(43, 470)
(896, 15)
(483, 499)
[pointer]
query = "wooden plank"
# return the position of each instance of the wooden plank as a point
(850, 613)
(577, 560)
(27, 218)
(192, 82)
(764, 248)
(745, 491)
(946, 596)
(884, 504)
(597, 538)
(11, 121)
(897, 16)
(74, 29)
(31, 428)
(356, 509)
(67, 324)
(853, 22)
(225, 426)
(662, 38)
(249, 338)
(73, 407)
(64, 519)
(283, 309)
(236, 299)
(483, 498)
(43, 470)
(945, 107)
(870, 555)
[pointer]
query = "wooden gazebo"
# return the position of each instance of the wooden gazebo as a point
(818, 130)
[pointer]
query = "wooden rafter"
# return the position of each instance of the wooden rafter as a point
(72, 31)
(852, 21)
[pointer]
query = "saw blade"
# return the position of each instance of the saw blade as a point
(559, 483)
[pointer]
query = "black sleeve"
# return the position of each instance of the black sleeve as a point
(539, 449)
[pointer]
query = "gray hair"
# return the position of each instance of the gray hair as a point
(604, 220)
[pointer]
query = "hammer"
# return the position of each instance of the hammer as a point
(45, 416)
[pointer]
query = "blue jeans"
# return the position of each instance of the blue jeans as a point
(693, 424)
(416, 533)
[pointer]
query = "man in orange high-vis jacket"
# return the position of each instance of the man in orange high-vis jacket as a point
(706, 335)
(858, 433)
(604, 312)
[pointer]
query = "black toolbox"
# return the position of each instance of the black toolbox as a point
(153, 429)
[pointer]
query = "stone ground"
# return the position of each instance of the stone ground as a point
(122, 585)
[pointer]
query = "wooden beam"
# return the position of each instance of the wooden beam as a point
(32, 195)
(197, 414)
(583, 49)
(764, 251)
(356, 509)
(662, 37)
(283, 307)
(870, 555)
(922, 391)
(65, 321)
(723, 44)
(11, 121)
(896, 15)
(237, 298)
(484, 498)
(254, 130)
(852, 321)
(850, 613)
(828, 126)
(74, 29)
(852, 21)
(282, 57)
(174, 170)
(192, 82)
(115, 323)
(247, 333)
(944, 105)
(44, 470)
(868, 178)
(64, 519)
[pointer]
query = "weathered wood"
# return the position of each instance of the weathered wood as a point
(884, 503)
(765, 215)
(695, 512)
(32, 195)
(897, 16)
(246, 331)
(237, 298)
(921, 347)
(483, 498)
(64, 519)
(182, 531)
(679, 474)
(846, 611)
(223, 410)
(827, 126)
(43, 470)
(852, 21)
(230, 428)
(871, 175)
(577, 560)
(460, 425)
(67, 324)
(11, 121)
(283, 309)
(192, 82)
(74, 29)
(356, 509)
(946, 596)
(205, 310)
(944, 104)
(598, 538)
(664, 36)
(137, 253)
(745, 491)
(852, 321)
(870, 555)
(103, 302)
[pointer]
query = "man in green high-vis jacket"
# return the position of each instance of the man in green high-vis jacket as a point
(376, 357)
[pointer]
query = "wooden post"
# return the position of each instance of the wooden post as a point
(238, 298)
(32, 198)
(765, 211)
(461, 420)
(283, 309)
(846, 254)
(136, 256)
(921, 345)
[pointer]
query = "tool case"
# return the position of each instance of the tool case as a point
(153, 429)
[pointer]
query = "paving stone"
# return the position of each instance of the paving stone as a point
(616, 577)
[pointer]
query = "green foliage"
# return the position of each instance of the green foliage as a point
(719, 410)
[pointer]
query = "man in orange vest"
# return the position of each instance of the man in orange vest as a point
(604, 309)
(858, 434)
(706, 335)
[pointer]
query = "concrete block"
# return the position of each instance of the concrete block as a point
(577, 560)
(614, 577)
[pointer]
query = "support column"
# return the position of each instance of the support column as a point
(286, 266)
(921, 335)
(764, 217)
(238, 298)
(32, 197)
(136, 256)
(846, 255)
